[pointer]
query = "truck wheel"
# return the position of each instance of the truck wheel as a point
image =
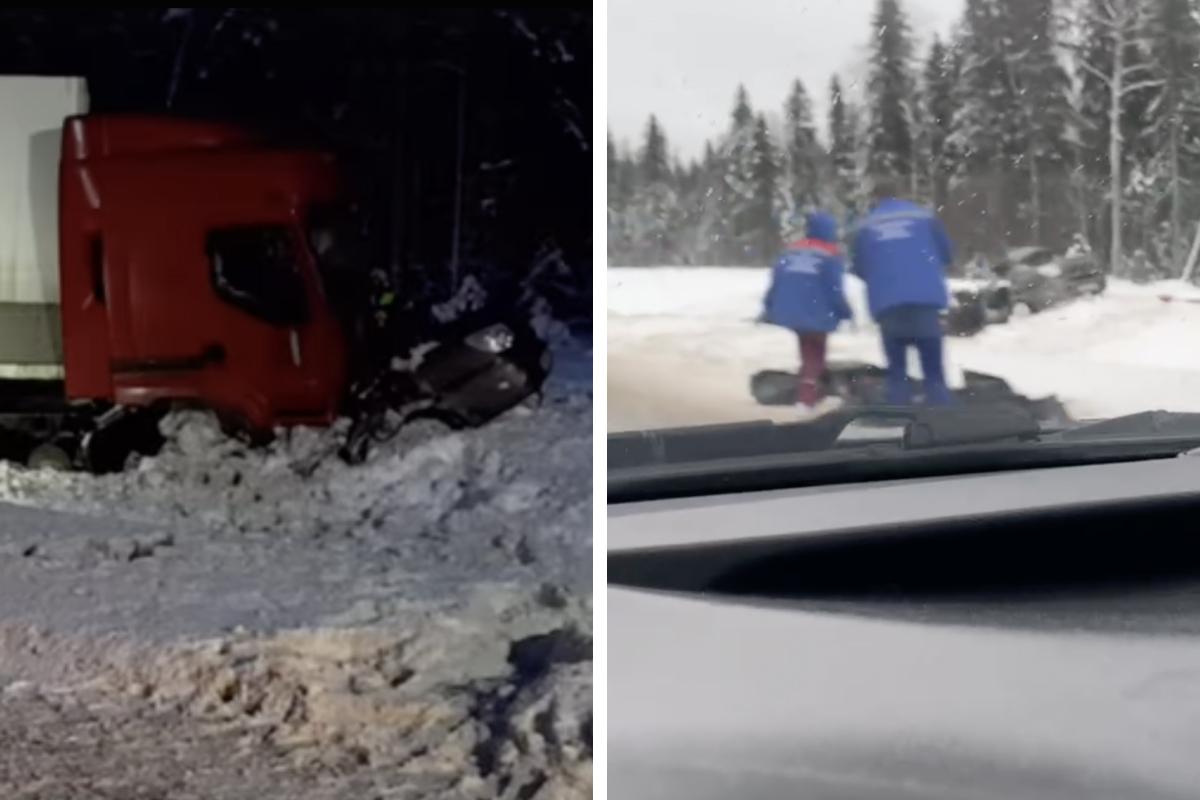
(49, 456)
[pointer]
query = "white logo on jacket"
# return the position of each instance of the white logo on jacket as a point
(803, 263)
(891, 230)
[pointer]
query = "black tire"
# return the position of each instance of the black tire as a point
(50, 456)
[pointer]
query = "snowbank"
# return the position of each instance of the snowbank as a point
(415, 626)
(527, 474)
(493, 701)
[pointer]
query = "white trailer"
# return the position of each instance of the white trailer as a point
(31, 123)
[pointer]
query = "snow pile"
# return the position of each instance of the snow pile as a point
(492, 702)
(421, 623)
(491, 699)
(524, 476)
(470, 296)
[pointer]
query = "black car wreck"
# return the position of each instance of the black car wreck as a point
(1040, 279)
(472, 370)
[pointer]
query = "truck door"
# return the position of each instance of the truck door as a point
(272, 332)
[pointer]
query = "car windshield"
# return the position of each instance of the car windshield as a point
(874, 210)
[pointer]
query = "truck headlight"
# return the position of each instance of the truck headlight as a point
(492, 339)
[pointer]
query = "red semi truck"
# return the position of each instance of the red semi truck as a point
(184, 274)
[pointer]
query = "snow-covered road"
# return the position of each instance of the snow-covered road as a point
(682, 346)
(227, 622)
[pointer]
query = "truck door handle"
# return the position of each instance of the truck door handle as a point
(213, 355)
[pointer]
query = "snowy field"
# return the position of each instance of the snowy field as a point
(682, 345)
(235, 623)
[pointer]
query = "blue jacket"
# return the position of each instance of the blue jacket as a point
(901, 251)
(806, 284)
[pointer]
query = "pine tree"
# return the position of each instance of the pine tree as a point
(703, 221)
(764, 233)
(612, 164)
(1115, 70)
(843, 149)
(654, 162)
(1094, 48)
(801, 152)
(940, 78)
(1173, 113)
(743, 114)
(1038, 90)
(977, 138)
(976, 152)
(1007, 147)
(622, 188)
(890, 95)
(735, 229)
(654, 209)
(618, 244)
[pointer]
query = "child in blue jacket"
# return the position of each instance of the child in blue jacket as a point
(806, 296)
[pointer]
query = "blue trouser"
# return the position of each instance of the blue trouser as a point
(929, 349)
(914, 326)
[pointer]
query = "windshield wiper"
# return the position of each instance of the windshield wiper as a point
(1141, 425)
(759, 456)
(919, 427)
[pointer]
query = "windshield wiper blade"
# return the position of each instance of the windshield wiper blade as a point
(874, 463)
(1145, 424)
(922, 427)
(970, 424)
(760, 456)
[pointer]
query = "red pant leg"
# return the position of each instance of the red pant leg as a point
(812, 367)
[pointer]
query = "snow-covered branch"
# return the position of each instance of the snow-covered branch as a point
(1095, 72)
(1135, 87)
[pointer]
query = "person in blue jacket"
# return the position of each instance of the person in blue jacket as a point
(901, 251)
(806, 296)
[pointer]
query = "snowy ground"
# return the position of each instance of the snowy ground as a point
(682, 345)
(222, 622)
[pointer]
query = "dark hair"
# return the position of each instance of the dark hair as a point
(884, 187)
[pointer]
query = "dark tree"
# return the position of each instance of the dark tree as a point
(940, 77)
(843, 147)
(763, 220)
(801, 153)
(654, 162)
(890, 95)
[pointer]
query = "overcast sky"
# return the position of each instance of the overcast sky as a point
(683, 60)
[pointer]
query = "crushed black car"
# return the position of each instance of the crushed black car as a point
(473, 369)
(1041, 279)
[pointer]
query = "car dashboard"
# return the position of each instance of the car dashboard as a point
(1032, 633)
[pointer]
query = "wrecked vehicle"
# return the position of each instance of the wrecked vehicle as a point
(484, 364)
(1040, 279)
(976, 303)
(160, 261)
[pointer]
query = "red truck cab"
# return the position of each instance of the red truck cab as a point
(186, 274)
